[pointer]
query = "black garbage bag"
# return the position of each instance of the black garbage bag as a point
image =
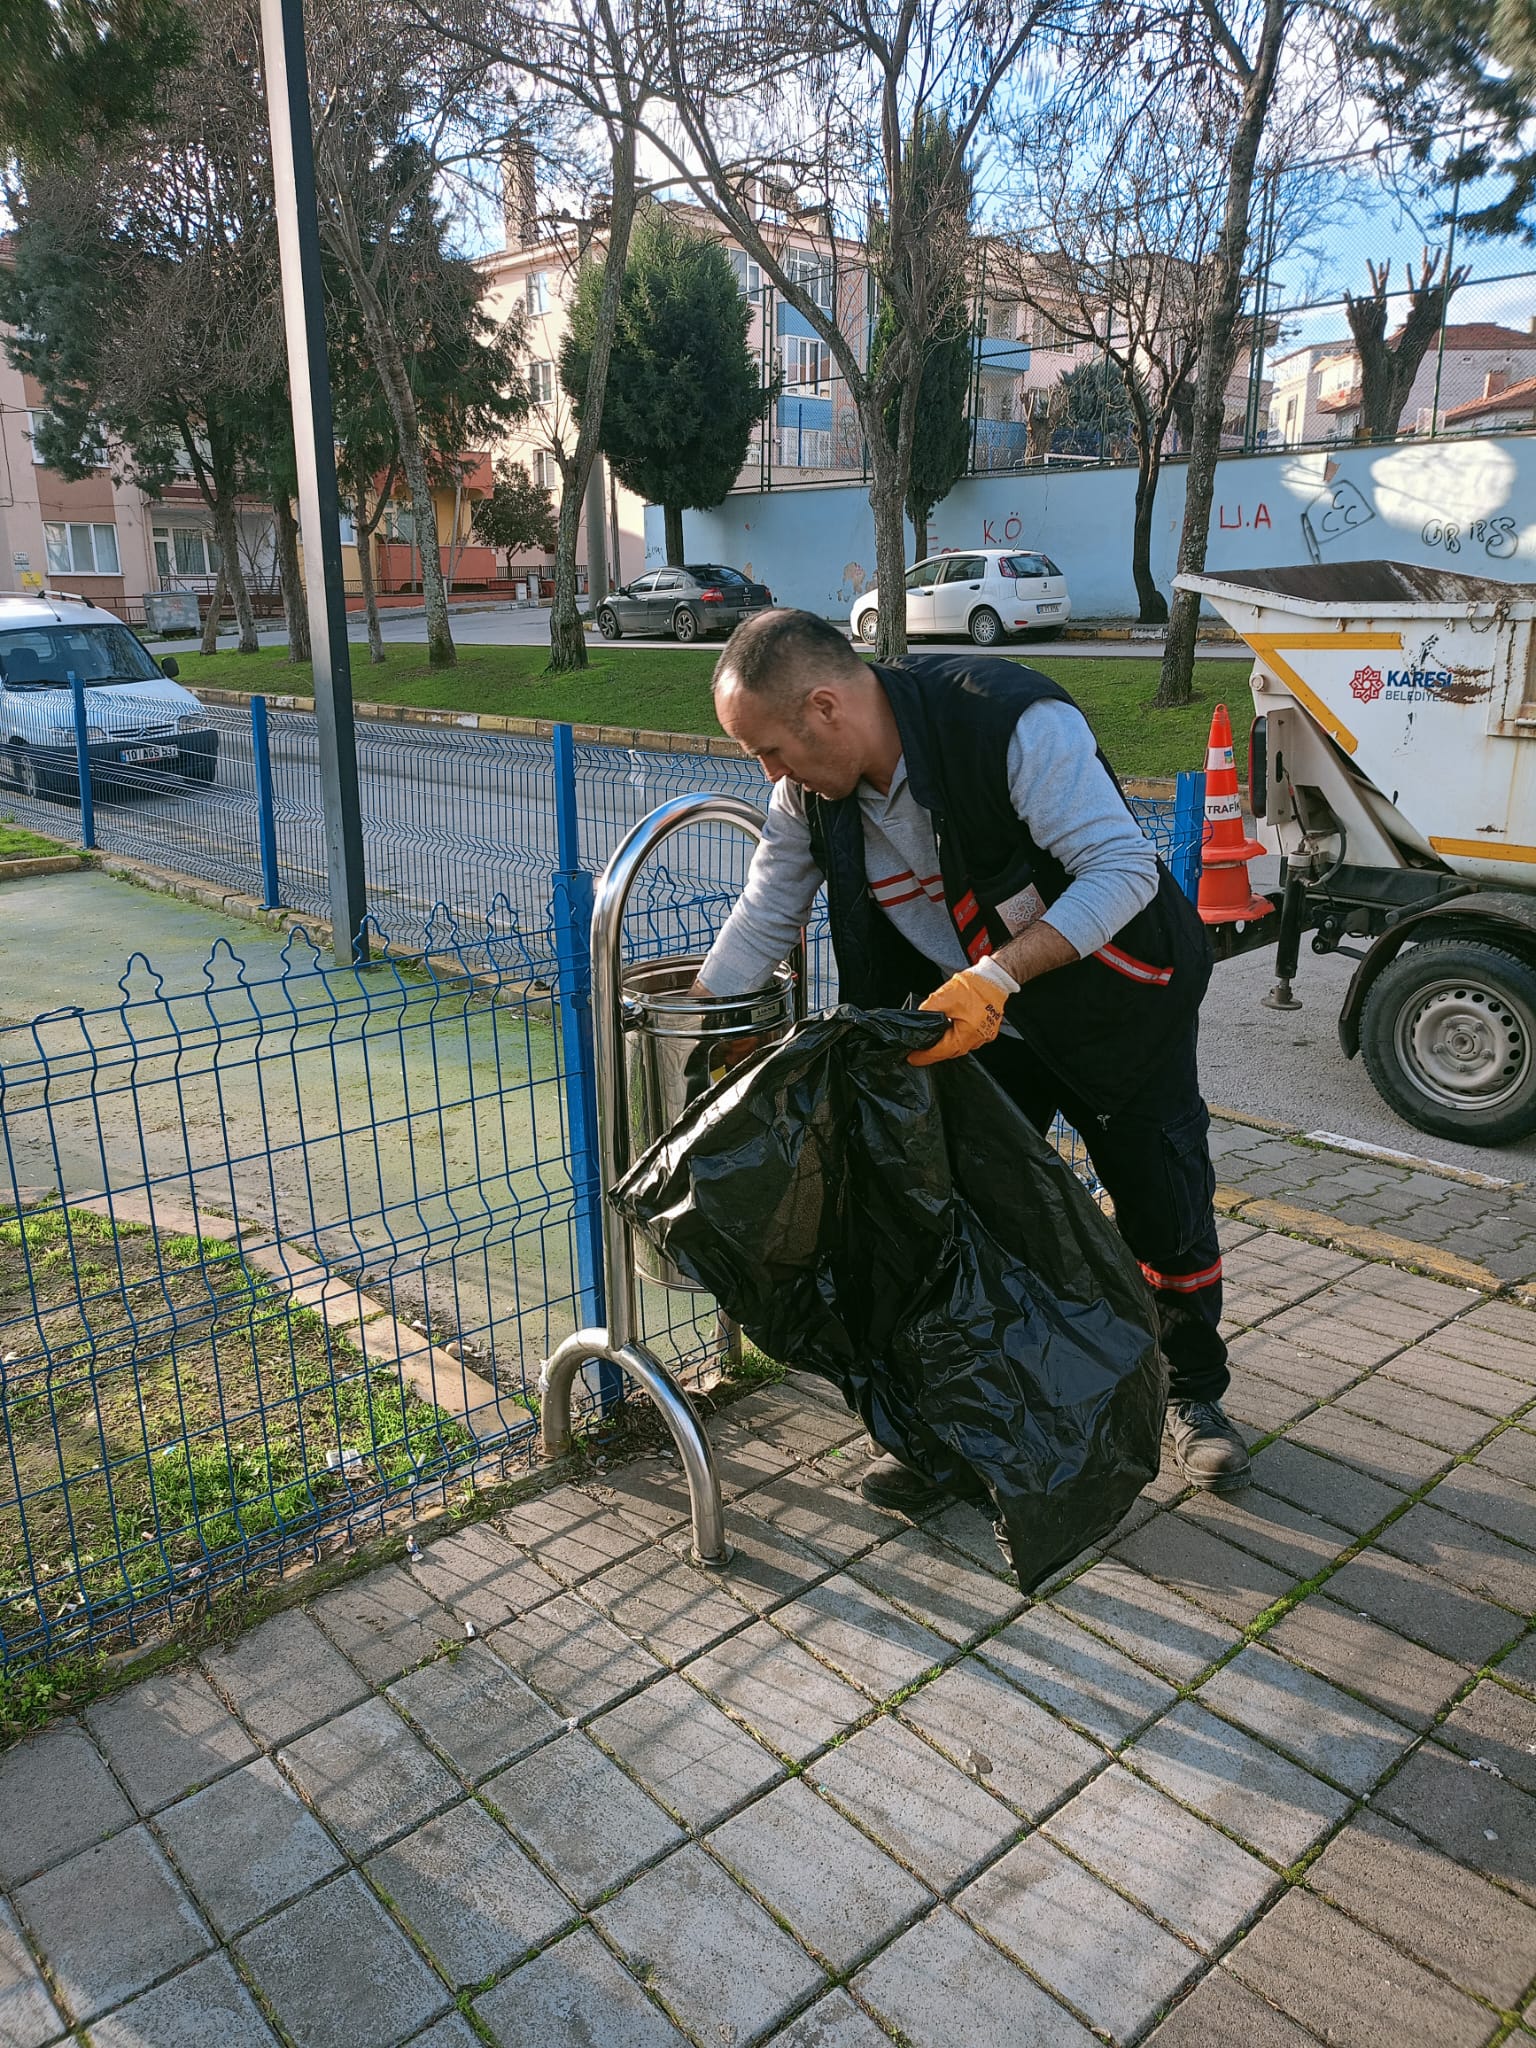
(906, 1233)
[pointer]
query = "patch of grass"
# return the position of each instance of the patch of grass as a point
(31, 1697)
(667, 690)
(17, 843)
(162, 1403)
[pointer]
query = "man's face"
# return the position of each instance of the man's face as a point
(818, 747)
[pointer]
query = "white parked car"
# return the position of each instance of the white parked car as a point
(985, 597)
(137, 717)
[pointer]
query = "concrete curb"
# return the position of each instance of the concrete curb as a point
(43, 864)
(1380, 1245)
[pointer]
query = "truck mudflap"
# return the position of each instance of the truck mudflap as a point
(1482, 913)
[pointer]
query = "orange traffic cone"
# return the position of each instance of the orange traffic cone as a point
(1226, 894)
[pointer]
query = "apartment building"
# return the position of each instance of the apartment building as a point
(1316, 393)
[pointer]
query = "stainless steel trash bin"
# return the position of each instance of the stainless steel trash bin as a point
(676, 1045)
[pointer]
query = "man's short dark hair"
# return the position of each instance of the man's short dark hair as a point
(783, 653)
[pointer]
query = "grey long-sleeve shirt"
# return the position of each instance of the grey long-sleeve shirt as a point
(1059, 788)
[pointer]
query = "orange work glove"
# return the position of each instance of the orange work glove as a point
(973, 1002)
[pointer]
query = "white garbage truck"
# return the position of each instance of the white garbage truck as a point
(1392, 766)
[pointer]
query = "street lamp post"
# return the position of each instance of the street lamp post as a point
(309, 383)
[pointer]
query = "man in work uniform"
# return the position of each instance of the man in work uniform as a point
(979, 856)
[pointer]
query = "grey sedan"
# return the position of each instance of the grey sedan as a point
(704, 597)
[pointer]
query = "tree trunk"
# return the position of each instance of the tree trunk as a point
(365, 577)
(1152, 606)
(672, 520)
(567, 635)
(227, 529)
(209, 644)
(295, 610)
(1218, 351)
(887, 503)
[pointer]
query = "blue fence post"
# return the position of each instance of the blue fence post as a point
(572, 887)
(83, 764)
(1188, 830)
(266, 810)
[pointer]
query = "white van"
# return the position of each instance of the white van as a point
(137, 717)
(986, 597)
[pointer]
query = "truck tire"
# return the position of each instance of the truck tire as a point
(1449, 1037)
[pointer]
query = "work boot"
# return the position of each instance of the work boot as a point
(888, 1483)
(1206, 1445)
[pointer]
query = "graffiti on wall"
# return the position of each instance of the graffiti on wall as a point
(1256, 522)
(1338, 508)
(1002, 533)
(1498, 538)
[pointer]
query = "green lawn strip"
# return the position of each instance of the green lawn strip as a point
(169, 1403)
(17, 843)
(667, 690)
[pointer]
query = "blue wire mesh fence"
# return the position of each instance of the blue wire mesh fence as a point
(285, 1250)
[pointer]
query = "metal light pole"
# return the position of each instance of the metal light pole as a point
(314, 440)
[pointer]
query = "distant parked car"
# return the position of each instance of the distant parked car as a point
(137, 717)
(704, 597)
(987, 597)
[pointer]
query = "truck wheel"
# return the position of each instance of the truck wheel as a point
(1449, 1038)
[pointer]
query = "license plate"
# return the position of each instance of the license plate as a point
(1047, 607)
(140, 754)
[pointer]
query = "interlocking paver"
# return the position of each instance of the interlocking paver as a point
(1082, 1939)
(1448, 1917)
(575, 1995)
(715, 1957)
(1465, 1554)
(1519, 1667)
(1481, 1820)
(194, 2009)
(1033, 1758)
(469, 1895)
(1511, 1453)
(937, 1820)
(1214, 1574)
(589, 1825)
(1511, 1328)
(830, 1885)
(1288, 1537)
(675, 1609)
(1400, 1461)
(1499, 1727)
(473, 1709)
(110, 1921)
(1427, 1609)
(1088, 1681)
(338, 1972)
(1491, 1501)
(1220, 2010)
(810, 1505)
(965, 1528)
(28, 2016)
(1158, 1626)
(833, 2022)
(685, 1752)
(574, 1657)
(1191, 1876)
(941, 1587)
(1318, 1324)
(571, 1535)
(285, 1676)
(1306, 1717)
(742, 1459)
(1350, 1986)
(1402, 1678)
(368, 1777)
(1262, 1405)
(784, 1417)
(942, 1969)
(385, 1623)
(452, 2031)
(766, 1567)
(1264, 1799)
(1410, 1410)
(1435, 1368)
(247, 1845)
(651, 1491)
(56, 1797)
(1439, 1299)
(788, 1700)
(1350, 1499)
(862, 1635)
(1290, 1364)
(482, 1576)
(166, 1735)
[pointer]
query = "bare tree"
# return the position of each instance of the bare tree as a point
(794, 123)
(1388, 365)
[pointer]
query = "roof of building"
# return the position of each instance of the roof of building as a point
(1519, 397)
(1479, 334)
(1341, 401)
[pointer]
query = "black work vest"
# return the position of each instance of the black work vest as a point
(1097, 1025)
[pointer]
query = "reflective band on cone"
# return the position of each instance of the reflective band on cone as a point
(1226, 894)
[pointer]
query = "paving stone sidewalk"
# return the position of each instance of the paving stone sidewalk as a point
(1452, 1217)
(1263, 1772)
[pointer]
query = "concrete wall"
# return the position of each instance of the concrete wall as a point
(1464, 504)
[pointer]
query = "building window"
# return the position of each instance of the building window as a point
(807, 366)
(812, 275)
(749, 278)
(536, 292)
(98, 446)
(541, 382)
(1000, 322)
(81, 550)
(546, 471)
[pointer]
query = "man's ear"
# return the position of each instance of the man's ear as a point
(821, 706)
